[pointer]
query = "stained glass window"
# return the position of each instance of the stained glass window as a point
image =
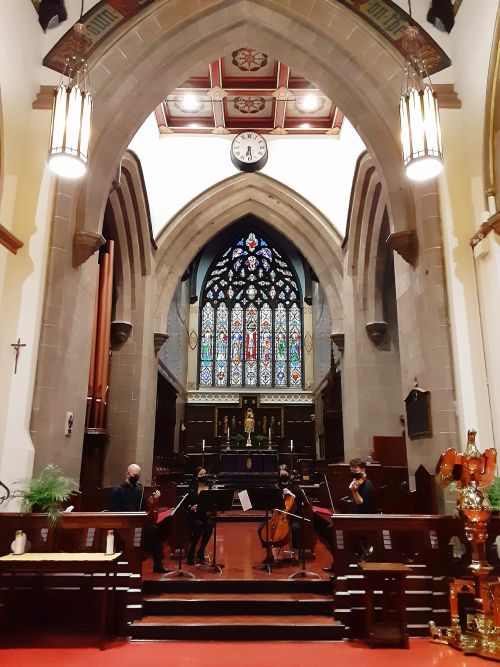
(294, 346)
(207, 335)
(237, 346)
(251, 318)
(280, 347)
(221, 346)
(266, 345)
(251, 346)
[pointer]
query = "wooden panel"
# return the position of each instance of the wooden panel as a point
(166, 398)
(390, 451)
(299, 427)
(199, 426)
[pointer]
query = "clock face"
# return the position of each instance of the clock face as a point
(249, 151)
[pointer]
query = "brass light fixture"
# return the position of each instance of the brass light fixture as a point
(72, 114)
(419, 114)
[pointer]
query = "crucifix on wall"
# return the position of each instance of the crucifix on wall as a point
(17, 346)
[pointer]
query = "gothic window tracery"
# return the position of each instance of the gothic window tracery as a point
(251, 319)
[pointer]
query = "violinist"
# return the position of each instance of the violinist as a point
(199, 523)
(291, 490)
(129, 497)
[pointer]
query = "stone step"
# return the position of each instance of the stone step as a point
(214, 604)
(238, 628)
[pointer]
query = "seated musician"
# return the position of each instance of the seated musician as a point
(362, 489)
(289, 488)
(129, 497)
(363, 498)
(199, 523)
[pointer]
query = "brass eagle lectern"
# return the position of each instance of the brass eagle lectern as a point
(482, 634)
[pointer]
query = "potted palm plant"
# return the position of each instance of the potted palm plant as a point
(45, 493)
(493, 493)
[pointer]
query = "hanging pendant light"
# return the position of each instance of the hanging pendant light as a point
(72, 115)
(419, 114)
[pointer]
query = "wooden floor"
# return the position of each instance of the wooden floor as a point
(244, 602)
(240, 552)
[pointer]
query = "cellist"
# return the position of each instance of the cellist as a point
(292, 490)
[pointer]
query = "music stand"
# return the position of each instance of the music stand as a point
(264, 498)
(303, 572)
(179, 572)
(216, 500)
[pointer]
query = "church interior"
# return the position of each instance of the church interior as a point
(249, 360)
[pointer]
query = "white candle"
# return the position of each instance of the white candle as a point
(291, 445)
(269, 433)
(228, 431)
(203, 445)
(110, 543)
(19, 543)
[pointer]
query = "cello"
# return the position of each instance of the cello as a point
(279, 527)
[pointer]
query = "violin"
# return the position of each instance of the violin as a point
(152, 511)
(279, 526)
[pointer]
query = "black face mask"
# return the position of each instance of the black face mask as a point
(202, 480)
(357, 475)
(284, 480)
(133, 479)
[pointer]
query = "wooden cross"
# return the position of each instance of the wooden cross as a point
(17, 347)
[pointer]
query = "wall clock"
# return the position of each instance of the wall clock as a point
(249, 151)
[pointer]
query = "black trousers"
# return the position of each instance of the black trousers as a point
(152, 542)
(295, 523)
(200, 526)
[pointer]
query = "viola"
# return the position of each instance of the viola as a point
(279, 526)
(152, 511)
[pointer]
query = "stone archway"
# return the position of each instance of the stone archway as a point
(218, 207)
(172, 38)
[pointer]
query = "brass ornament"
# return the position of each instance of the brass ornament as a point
(482, 634)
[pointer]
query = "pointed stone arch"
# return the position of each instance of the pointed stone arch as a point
(160, 49)
(226, 202)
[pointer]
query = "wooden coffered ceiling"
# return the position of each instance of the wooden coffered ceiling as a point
(247, 90)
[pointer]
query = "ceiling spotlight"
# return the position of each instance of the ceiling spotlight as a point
(310, 103)
(190, 103)
(305, 126)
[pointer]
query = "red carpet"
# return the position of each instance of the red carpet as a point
(222, 654)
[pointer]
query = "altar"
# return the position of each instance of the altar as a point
(249, 461)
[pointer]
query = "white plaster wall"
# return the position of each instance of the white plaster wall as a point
(473, 291)
(25, 209)
(178, 167)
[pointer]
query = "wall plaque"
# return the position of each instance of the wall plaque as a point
(418, 414)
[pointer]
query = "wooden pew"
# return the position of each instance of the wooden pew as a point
(77, 532)
(434, 546)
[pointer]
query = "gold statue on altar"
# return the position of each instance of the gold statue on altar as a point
(477, 471)
(249, 425)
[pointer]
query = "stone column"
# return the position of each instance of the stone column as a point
(308, 345)
(192, 362)
(371, 379)
(132, 394)
(424, 333)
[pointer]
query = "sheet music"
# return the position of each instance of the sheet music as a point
(245, 500)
